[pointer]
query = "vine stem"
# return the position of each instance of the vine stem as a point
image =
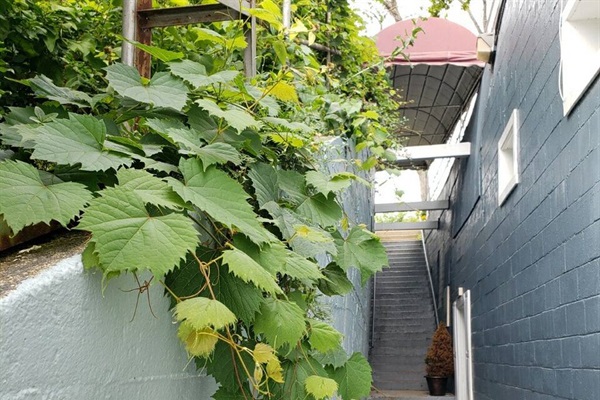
(233, 346)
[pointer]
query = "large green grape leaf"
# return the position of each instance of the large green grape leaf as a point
(248, 270)
(201, 312)
(44, 87)
(360, 249)
(293, 227)
(323, 337)
(285, 123)
(221, 197)
(295, 375)
(354, 378)
(79, 139)
(242, 298)
(300, 268)
(335, 358)
(225, 394)
(128, 238)
(150, 189)
(320, 387)
(264, 180)
(322, 210)
(236, 118)
(195, 74)
(26, 199)
(219, 153)
(281, 322)
(271, 256)
(336, 282)
(293, 185)
(226, 367)
(163, 90)
(326, 184)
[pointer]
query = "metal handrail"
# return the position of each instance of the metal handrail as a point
(437, 319)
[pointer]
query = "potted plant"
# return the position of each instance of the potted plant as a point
(439, 361)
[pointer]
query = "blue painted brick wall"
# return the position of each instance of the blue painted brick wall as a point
(533, 264)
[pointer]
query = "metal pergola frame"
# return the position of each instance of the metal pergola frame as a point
(139, 18)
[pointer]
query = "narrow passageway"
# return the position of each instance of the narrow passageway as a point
(403, 316)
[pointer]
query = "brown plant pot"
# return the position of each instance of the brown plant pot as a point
(437, 385)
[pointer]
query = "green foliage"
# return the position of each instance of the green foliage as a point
(440, 357)
(204, 178)
(438, 6)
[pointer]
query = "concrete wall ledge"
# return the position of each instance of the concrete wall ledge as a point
(62, 338)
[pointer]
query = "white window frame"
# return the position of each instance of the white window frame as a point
(580, 49)
(508, 158)
(463, 353)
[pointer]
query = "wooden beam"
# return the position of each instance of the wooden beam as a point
(412, 206)
(225, 11)
(431, 152)
(143, 61)
(250, 50)
(406, 226)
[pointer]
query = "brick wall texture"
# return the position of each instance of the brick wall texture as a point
(532, 264)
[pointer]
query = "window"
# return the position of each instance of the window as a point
(508, 158)
(580, 49)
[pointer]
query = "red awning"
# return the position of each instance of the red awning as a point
(437, 82)
(441, 42)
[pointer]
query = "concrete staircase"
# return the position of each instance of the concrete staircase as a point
(403, 319)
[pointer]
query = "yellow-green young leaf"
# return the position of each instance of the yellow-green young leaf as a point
(25, 199)
(79, 139)
(163, 90)
(89, 258)
(198, 342)
(201, 312)
(263, 353)
(287, 138)
(280, 52)
(354, 378)
(128, 238)
(281, 322)
(283, 91)
(248, 270)
(320, 387)
(274, 370)
(258, 373)
(223, 198)
(323, 337)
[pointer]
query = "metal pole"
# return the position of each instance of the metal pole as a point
(437, 318)
(129, 29)
(287, 14)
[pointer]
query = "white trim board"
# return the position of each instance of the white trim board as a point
(431, 152)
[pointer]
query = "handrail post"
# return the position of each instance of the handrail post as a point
(437, 319)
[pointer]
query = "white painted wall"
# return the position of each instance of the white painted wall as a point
(60, 338)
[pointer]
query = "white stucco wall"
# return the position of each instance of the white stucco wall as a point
(61, 338)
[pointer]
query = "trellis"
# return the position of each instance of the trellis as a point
(139, 18)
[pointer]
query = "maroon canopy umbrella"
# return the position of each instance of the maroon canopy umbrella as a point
(437, 81)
